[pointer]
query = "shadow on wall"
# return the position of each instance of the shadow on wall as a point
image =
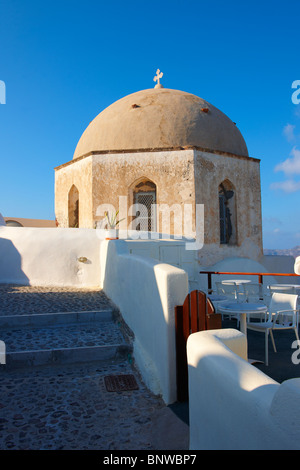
(130, 282)
(11, 264)
(251, 411)
(146, 291)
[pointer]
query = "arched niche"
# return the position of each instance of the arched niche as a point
(227, 213)
(73, 207)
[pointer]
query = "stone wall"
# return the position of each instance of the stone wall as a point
(212, 169)
(79, 175)
(115, 175)
(181, 177)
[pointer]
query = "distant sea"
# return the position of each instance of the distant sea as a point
(288, 252)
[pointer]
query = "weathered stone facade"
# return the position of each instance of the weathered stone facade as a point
(102, 178)
(181, 177)
(244, 175)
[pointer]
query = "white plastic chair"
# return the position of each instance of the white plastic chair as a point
(282, 315)
(281, 289)
(229, 290)
(253, 292)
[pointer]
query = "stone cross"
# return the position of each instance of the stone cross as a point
(157, 77)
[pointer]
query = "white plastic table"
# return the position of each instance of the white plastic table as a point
(242, 309)
(235, 281)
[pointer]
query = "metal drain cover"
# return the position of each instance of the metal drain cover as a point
(120, 383)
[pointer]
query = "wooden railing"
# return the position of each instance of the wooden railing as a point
(260, 275)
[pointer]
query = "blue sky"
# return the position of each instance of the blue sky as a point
(64, 61)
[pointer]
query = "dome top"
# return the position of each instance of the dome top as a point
(161, 118)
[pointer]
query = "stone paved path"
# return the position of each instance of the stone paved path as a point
(68, 406)
(21, 300)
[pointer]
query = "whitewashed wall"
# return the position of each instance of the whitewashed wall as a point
(297, 265)
(233, 405)
(174, 252)
(146, 292)
(49, 256)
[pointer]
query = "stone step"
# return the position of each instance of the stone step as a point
(65, 341)
(57, 318)
(48, 357)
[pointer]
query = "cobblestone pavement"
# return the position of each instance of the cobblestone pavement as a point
(21, 300)
(68, 407)
(67, 336)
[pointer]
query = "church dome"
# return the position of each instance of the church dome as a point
(161, 118)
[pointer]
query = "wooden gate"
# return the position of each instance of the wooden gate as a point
(196, 314)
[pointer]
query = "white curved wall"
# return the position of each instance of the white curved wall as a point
(146, 292)
(233, 405)
(297, 265)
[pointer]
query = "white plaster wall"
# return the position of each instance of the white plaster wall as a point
(174, 252)
(146, 292)
(168, 251)
(233, 405)
(297, 265)
(49, 256)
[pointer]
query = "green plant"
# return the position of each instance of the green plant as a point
(112, 221)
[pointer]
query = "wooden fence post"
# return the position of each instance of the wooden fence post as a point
(196, 314)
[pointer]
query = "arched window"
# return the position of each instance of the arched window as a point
(73, 207)
(143, 198)
(227, 214)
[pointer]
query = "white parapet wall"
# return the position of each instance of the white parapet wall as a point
(297, 265)
(146, 291)
(233, 405)
(49, 256)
